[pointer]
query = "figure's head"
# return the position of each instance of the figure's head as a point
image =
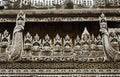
(104, 31)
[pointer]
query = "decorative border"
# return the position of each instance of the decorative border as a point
(59, 71)
(59, 19)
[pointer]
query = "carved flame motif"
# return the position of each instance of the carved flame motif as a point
(36, 45)
(77, 44)
(67, 43)
(27, 45)
(57, 43)
(47, 46)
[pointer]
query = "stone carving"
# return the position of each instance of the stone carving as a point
(114, 40)
(5, 41)
(17, 40)
(67, 45)
(27, 45)
(85, 41)
(77, 47)
(57, 49)
(88, 48)
(99, 48)
(47, 46)
(36, 45)
(103, 21)
(110, 52)
(5, 46)
(93, 53)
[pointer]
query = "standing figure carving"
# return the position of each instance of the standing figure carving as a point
(17, 40)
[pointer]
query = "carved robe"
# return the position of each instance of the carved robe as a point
(17, 43)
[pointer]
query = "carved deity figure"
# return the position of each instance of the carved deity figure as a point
(5, 46)
(99, 49)
(27, 45)
(93, 53)
(114, 41)
(85, 42)
(36, 46)
(77, 46)
(5, 41)
(57, 45)
(47, 46)
(17, 40)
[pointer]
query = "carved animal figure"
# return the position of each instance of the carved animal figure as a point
(17, 40)
(110, 52)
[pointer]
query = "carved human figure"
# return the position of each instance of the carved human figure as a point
(36, 46)
(47, 46)
(57, 49)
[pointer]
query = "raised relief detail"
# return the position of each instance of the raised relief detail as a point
(86, 48)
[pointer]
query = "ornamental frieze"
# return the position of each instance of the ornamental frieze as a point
(60, 19)
(84, 48)
(85, 55)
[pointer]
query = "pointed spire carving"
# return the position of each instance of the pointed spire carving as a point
(103, 21)
(85, 35)
(57, 46)
(6, 36)
(36, 40)
(28, 38)
(92, 39)
(102, 18)
(77, 45)
(47, 46)
(99, 40)
(57, 41)
(67, 44)
(36, 45)
(27, 45)
(77, 41)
